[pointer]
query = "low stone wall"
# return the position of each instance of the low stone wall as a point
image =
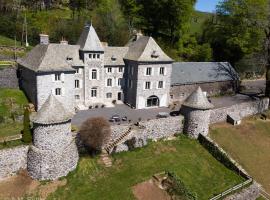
(242, 109)
(250, 193)
(8, 78)
(12, 160)
(153, 129)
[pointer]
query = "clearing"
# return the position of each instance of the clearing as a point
(202, 173)
(248, 144)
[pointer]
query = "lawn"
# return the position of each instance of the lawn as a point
(12, 100)
(187, 158)
(249, 144)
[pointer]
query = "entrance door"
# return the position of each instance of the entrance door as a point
(119, 96)
(153, 101)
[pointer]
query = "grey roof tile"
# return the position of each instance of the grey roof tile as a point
(198, 100)
(200, 72)
(52, 57)
(114, 55)
(147, 50)
(89, 40)
(51, 112)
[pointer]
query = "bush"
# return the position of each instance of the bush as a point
(94, 133)
(27, 135)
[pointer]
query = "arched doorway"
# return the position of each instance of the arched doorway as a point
(152, 101)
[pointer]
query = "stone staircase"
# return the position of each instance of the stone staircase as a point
(106, 159)
(117, 141)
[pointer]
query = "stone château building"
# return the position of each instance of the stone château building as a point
(92, 73)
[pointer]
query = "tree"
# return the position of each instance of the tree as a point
(26, 133)
(94, 133)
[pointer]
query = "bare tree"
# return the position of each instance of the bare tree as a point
(94, 133)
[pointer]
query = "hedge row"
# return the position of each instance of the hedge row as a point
(179, 189)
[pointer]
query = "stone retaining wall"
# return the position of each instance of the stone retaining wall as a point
(242, 109)
(12, 160)
(8, 78)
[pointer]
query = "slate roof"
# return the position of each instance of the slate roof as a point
(51, 112)
(52, 57)
(200, 72)
(147, 50)
(89, 40)
(198, 100)
(114, 55)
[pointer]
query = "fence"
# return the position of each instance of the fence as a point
(264, 194)
(233, 189)
(11, 138)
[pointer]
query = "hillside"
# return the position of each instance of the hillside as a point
(198, 20)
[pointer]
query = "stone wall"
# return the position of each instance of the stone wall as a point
(8, 77)
(242, 109)
(153, 129)
(12, 160)
(181, 92)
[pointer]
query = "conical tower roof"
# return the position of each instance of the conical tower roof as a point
(51, 112)
(198, 100)
(89, 40)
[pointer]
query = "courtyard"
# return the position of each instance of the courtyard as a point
(249, 145)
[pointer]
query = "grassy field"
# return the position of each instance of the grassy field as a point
(7, 41)
(249, 144)
(198, 20)
(187, 158)
(11, 100)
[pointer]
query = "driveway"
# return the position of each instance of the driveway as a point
(121, 110)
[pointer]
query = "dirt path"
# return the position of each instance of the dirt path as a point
(22, 185)
(149, 191)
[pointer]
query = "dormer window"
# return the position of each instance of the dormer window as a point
(113, 58)
(69, 58)
(154, 54)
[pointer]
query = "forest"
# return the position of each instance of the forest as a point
(238, 31)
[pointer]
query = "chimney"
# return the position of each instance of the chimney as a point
(63, 41)
(44, 39)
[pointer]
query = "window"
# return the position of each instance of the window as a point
(119, 82)
(77, 71)
(77, 84)
(94, 56)
(130, 83)
(109, 95)
(148, 71)
(57, 77)
(160, 84)
(90, 56)
(94, 92)
(77, 97)
(161, 71)
(147, 85)
(120, 69)
(109, 70)
(98, 56)
(94, 74)
(109, 82)
(58, 91)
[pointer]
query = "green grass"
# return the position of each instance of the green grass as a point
(8, 41)
(11, 144)
(249, 144)
(187, 158)
(11, 100)
(198, 20)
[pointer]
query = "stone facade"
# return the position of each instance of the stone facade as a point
(8, 77)
(12, 160)
(54, 152)
(242, 109)
(181, 92)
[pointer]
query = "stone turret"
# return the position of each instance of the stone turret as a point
(53, 153)
(196, 110)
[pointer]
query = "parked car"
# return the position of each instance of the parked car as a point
(116, 118)
(163, 115)
(124, 119)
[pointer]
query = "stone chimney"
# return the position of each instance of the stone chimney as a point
(44, 39)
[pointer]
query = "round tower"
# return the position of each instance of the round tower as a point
(54, 152)
(196, 110)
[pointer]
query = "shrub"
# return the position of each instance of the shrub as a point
(94, 133)
(114, 101)
(27, 135)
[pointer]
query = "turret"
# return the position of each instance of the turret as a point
(53, 153)
(196, 110)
